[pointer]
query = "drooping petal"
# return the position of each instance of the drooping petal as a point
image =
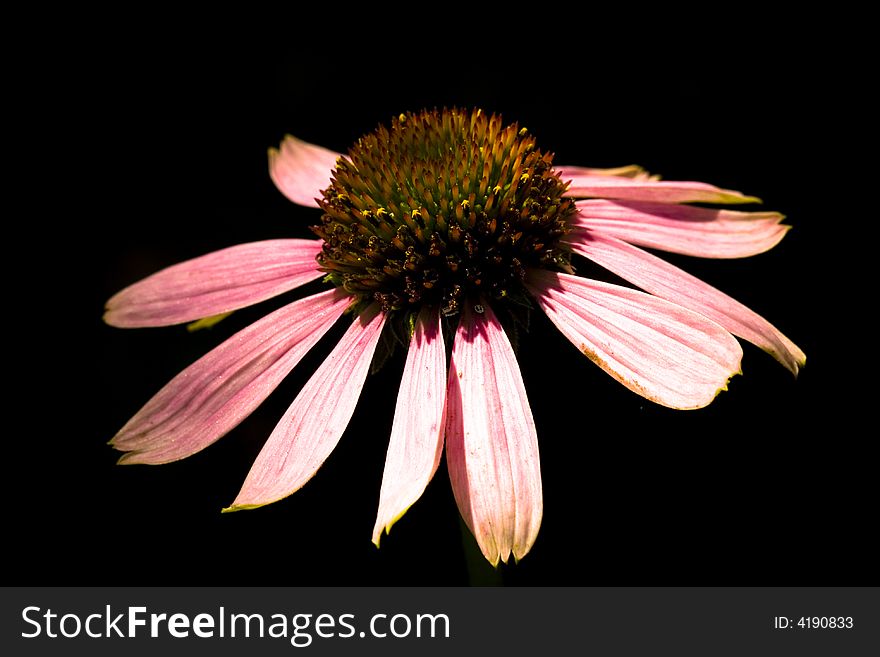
(316, 419)
(702, 232)
(491, 443)
(659, 191)
(661, 351)
(301, 170)
(214, 394)
(629, 171)
(417, 433)
(656, 276)
(215, 283)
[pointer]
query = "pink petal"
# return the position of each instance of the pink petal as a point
(417, 434)
(316, 419)
(671, 283)
(300, 170)
(218, 391)
(491, 443)
(215, 283)
(629, 171)
(652, 190)
(702, 232)
(661, 351)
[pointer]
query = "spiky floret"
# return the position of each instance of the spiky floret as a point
(441, 206)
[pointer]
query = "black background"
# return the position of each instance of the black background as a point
(167, 136)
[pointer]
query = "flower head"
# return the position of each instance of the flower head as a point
(442, 208)
(448, 228)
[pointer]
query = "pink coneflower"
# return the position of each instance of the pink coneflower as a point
(449, 227)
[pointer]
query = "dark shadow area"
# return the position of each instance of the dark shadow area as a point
(771, 484)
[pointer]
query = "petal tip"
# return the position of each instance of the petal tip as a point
(799, 363)
(378, 533)
(726, 386)
(232, 508)
(384, 528)
(519, 553)
(129, 458)
(142, 457)
(110, 317)
(207, 322)
(791, 357)
(723, 388)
